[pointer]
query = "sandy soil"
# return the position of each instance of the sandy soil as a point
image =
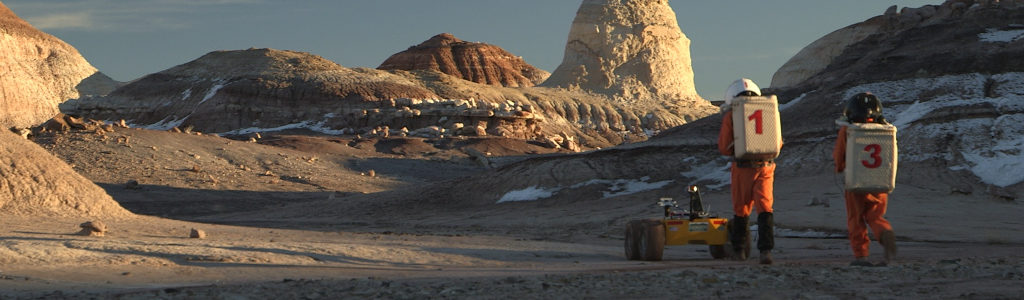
(382, 245)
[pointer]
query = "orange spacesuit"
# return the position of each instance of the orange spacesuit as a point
(864, 210)
(752, 184)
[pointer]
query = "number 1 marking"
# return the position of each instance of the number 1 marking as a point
(756, 117)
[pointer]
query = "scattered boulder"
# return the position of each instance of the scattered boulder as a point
(197, 234)
(93, 228)
(479, 157)
(23, 132)
(63, 123)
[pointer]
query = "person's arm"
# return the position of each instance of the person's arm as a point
(725, 139)
(839, 153)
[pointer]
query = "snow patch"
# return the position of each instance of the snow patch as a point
(617, 187)
(1000, 168)
(528, 194)
(212, 92)
(316, 126)
(792, 102)
(715, 172)
(165, 124)
(620, 187)
(993, 35)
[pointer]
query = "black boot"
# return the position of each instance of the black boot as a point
(738, 233)
(765, 236)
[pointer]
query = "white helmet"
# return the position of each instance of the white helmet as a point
(739, 86)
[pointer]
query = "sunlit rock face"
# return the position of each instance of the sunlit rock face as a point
(35, 183)
(37, 72)
(632, 50)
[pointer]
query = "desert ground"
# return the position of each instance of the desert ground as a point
(306, 217)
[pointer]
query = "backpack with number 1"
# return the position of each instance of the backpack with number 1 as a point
(871, 157)
(757, 133)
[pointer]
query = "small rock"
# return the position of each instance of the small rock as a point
(132, 185)
(92, 228)
(23, 132)
(197, 234)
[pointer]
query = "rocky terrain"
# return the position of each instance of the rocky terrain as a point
(262, 90)
(35, 183)
(266, 173)
(476, 62)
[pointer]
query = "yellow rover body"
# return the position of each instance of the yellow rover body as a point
(700, 231)
(645, 239)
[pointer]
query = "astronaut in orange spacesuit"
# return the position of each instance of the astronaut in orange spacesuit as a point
(752, 183)
(864, 209)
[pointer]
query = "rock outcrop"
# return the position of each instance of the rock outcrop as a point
(39, 72)
(649, 88)
(476, 62)
(814, 58)
(630, 50)
(35, 183)
(246, 91)
(255, 88)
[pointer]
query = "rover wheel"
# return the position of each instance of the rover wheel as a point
(717, 251)
(632, 240)
(652, 240)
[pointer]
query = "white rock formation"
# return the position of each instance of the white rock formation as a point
(628, 49)
(39, 72)
(819, 54)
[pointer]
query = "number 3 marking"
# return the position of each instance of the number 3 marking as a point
(875, 150)
(756, 117)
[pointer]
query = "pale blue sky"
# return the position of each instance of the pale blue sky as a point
(127, 39)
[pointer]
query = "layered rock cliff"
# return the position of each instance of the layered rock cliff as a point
(476, 62)
(262, 88)
(822, 53)
(39, 72)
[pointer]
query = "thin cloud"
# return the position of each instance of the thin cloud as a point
(115, 15)
(74, 20)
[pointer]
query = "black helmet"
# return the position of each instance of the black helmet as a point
(864, 108)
